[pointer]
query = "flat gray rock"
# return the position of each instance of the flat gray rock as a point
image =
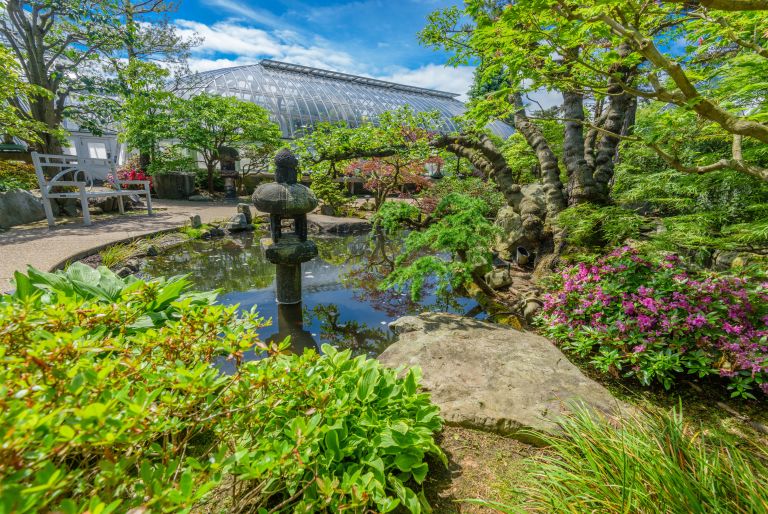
(492, 377)
(333, 225)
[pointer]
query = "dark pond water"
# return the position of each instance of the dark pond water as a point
(341, 303)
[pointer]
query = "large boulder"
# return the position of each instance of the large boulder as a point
(492, 377)
(245, 210)
(19, 207)
(238, 223)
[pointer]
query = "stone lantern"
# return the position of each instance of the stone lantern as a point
(287, 199)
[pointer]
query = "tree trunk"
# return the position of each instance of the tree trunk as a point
(211, 166)
(144, 160)
(581, 185)
(44, 110)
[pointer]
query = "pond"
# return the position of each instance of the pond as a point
(341, 302)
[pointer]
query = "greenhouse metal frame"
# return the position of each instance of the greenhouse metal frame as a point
(298, 97)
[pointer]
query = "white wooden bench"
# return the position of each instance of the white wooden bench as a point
(77, 170)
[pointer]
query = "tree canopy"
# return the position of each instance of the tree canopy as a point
(77, 52)
(689, 56)
(206, 123)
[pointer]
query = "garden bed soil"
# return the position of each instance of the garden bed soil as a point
(480, 465)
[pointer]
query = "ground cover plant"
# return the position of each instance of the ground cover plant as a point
(113, 399)
(17, 175)
(657, 321)
(645, 463)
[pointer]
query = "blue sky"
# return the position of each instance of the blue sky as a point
(376, 38)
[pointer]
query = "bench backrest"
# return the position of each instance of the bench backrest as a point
(65, 168)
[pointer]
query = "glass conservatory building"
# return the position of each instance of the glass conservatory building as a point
(300, 96)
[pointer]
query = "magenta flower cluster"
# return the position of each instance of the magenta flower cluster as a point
(656, 320)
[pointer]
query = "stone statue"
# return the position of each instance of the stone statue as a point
(287, 199)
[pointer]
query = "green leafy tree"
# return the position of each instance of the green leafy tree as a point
(205, 123)
(603, 58)
(145, 114)
(13, 121)
(692, 56)
(387, 154)
(76, 51)
(256, 158)
(57, 46)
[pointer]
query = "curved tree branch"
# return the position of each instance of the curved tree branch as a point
(726, 5)
(689, 95)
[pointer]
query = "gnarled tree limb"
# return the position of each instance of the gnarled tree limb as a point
(726, 5)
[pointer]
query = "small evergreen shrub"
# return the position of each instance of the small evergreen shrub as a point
(112, 398)
(17, 175)
(331, 192)
(655, 320)
(472, 187)
(452, 247)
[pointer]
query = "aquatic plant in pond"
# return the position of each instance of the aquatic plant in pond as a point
(656, 320)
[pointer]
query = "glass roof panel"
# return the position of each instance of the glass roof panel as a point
(299, 96)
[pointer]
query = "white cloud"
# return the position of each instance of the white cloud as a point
(260, 16)
(435, 76)
(247, 45)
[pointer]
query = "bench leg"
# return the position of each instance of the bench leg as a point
(48, 212)
(149, 199)
(84, 206)
(120, 204)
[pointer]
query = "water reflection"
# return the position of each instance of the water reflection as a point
(342, 304)
(290, 323)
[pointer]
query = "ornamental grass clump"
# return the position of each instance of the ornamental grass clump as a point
(112, 398)
(646, 464)
(657, 321)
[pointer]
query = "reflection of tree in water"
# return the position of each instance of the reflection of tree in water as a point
(374, 266)
(234, 264)
(354, 335)
(339, 251)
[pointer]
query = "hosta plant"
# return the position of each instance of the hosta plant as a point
(114, 396)
(657, 321)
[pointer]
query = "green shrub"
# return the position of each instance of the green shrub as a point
(171, 160)
(329, 191)
(113, 398)
(452, 249)
(594, 227)
(17, 175)
(201, 179)
(472, 187)
(646, 464)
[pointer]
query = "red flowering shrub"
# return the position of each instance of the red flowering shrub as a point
(384, 177)
(131, 172)
(656, 321)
